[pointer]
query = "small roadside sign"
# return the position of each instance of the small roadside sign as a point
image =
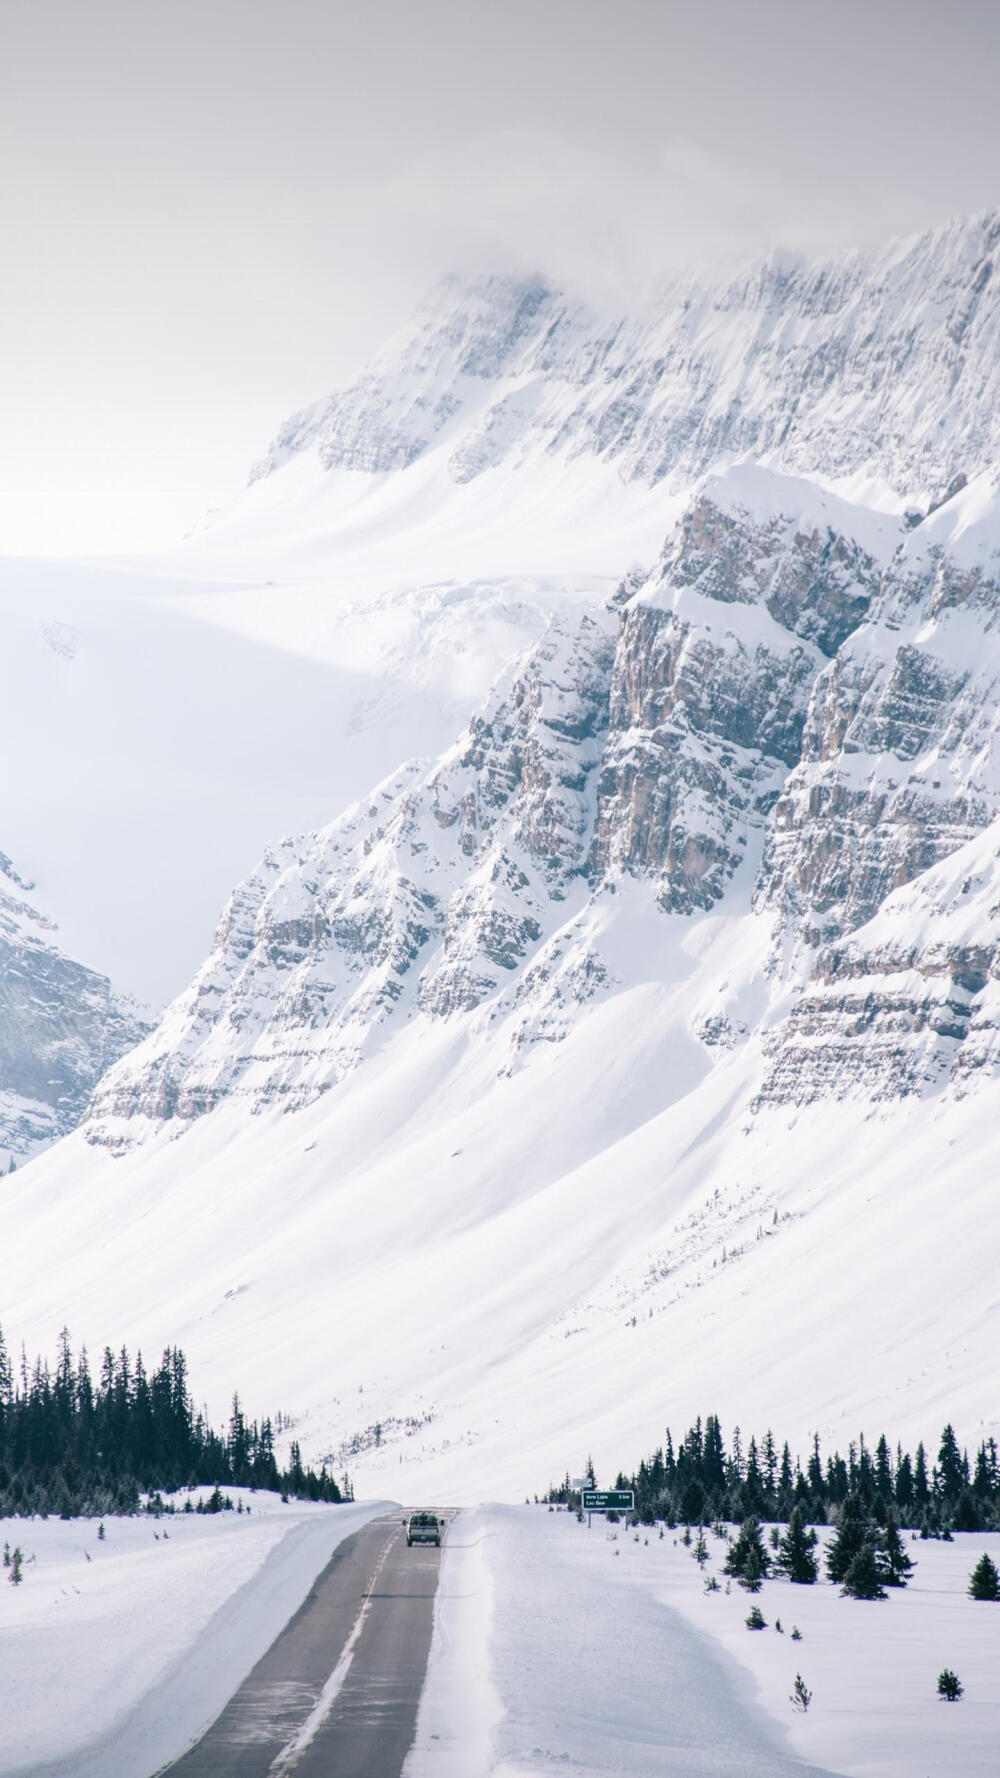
(603, 1500)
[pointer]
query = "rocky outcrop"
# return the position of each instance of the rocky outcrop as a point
(427, 898)
(61, 1025)
(717, 658)
(900, 737)
(908, 1004)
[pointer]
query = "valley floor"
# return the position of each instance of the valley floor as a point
(594, 1654)
(105, 1662)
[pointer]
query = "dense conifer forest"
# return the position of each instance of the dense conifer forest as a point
(74, 1444)
(703, 1480)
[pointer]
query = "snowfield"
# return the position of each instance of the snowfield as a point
(598, 1654)
(112, 1665)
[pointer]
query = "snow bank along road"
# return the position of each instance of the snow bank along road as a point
(338, 1691)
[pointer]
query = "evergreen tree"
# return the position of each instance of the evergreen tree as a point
(904, 1484)
(967, 1514)
(865, 1576)
(883, 1471)
(921, 1486)
(770, 1462)
(714, 1457)
(747, 1559)
(897, 1565)
(814, 1471)
(951, 1472)
(797, 1552)
(853, 1530)
(800, 1695)
(984, 1581)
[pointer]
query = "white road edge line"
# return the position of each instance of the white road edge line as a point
(321, 1709)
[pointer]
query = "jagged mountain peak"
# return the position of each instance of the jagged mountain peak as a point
(875, 369)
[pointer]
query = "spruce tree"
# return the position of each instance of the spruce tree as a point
(951, 1471)
(852, 1531)
(865, 1575)
(921, 1486)
(746, 1559)
(797, 1552)
(897, 1564)
(984, 1581)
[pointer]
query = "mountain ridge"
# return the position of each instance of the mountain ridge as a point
(628, 1029)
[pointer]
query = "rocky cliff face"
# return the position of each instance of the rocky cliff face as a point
(793, 713)
(61, 1025)
(425, 900)
(871, 364)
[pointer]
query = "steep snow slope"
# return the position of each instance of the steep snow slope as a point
(559, 1133)
(61, 1025)
(459, 1279)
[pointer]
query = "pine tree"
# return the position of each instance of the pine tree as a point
(921, 1486)
(951, 1471)
(797, 1552)
(865, 1575)
(800, 1694)
(984, 1581)
(897, 1564)
(746, 1559)
(852, 1531)
(883, 1470)
(949, 1685)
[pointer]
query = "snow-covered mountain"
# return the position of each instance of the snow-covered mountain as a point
(877, 370)
(61, 1025)
(598, 1054)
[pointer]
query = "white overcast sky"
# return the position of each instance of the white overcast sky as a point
(213, 210)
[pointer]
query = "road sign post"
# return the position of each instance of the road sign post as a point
(607, 1500)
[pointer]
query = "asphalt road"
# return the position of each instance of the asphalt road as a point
(336, 1695)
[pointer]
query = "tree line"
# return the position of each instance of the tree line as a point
(74, 1444)
(703, 1479)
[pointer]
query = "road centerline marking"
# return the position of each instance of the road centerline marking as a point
(293, 1749)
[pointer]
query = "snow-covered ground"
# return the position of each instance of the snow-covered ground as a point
(595, 1653)
(117, 1653)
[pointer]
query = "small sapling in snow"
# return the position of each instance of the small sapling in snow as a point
(949, 1686)
(755, 1619)
(796, 1633)
(800, 1696)
(16, 1566)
